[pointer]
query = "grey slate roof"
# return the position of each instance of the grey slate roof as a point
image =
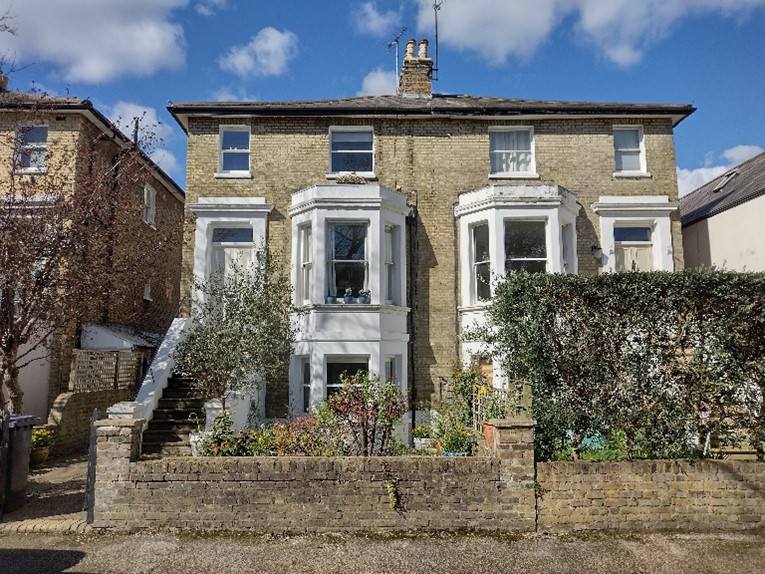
(704, 202)
(438, 104)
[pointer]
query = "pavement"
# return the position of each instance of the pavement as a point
(49, 535)
(55, 500)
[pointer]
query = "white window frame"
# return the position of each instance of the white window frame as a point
(548, 248)
(476, 263)
(529, 173)
(634, 243)
(391, 282)
(643, 171)
(234, 173)
(345, 129)
(24, 146)
(149, 205)
(305, 237)
(147, 292)
(305, 379)
(330, 284)
(347, 359)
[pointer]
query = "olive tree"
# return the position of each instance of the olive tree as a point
(242, 329)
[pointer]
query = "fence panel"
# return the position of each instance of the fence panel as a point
(105, 370)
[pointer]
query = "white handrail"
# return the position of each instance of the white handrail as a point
(156, 378)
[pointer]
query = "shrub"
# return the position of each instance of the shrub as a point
(662, 358)
(366, 411)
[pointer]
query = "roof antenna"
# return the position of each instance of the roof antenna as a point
(436, 8)
(394, 44)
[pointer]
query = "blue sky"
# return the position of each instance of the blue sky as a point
(133, 56)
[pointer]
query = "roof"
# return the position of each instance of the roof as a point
(745, 182)
(11, 100)
(437, 104)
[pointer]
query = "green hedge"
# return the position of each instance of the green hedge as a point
(661, 361)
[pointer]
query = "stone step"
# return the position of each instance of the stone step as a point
(181, 393)
(179, 414)
(172, 425)
(165, 437)
(166, 449)
(181, 404)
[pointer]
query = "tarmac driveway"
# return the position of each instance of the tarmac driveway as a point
(170, 554)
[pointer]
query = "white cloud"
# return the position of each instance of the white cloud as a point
(167, 161)
(267, 54)
(690, 179)
(378, 82)
(123, 115)
(494, 30)
(621, 30)
(96, 41)
(210, 7)
(232, 95)
(367, 18)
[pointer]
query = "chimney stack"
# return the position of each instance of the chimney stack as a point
(3, 82)
(417, 72)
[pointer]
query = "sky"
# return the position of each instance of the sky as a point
(133, 57)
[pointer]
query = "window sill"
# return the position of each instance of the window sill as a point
(632, 175)
(340, 174)
(233, 175)
(481, 306)
(29, 171)
(517, 175)
(151, 225)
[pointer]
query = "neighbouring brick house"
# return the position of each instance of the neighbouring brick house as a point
(422, 198)
(47, 129)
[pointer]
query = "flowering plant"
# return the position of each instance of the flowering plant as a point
(42, 437)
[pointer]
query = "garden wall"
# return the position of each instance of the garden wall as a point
(70, 417)
(703, 496)
(313, 494)
(497, 492)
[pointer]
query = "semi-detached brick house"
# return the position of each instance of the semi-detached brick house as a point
(421, 198)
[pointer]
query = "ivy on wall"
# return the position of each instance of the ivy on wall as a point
(661, 361)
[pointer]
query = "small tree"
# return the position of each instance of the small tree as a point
(242, 330)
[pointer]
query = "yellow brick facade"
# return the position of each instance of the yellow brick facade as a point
(432, 160)
(74, 126)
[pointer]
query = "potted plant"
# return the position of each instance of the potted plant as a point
(348, 297)
(365, 296)
(42, 439)
(423, 437)
(458, 441)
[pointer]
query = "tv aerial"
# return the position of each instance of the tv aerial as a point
(394, 43)
(436, 7)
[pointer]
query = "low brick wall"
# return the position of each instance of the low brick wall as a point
(70, 418)
(651, 495)
(496, 493)
(310, 494)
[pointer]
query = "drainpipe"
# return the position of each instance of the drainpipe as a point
(413, 251)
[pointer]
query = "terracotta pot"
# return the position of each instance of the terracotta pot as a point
(39, 455)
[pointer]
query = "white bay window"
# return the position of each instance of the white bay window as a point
(347, 236)
(347, 263)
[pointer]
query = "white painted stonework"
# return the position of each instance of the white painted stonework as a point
(497, 205)
(651, 211)
(371, 334)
